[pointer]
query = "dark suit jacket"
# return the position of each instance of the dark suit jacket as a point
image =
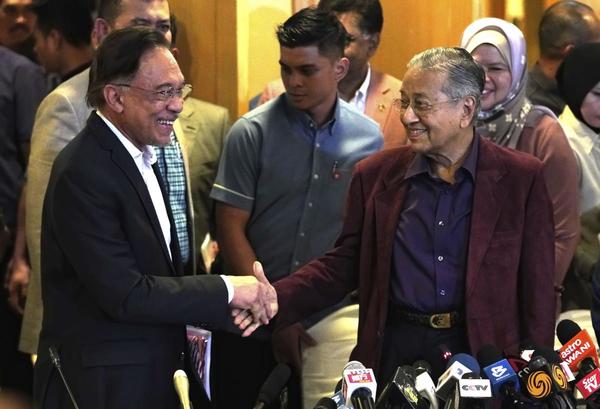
(114, 304)
(509, 279)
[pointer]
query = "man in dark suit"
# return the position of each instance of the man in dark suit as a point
(448, 240)
(115, 298)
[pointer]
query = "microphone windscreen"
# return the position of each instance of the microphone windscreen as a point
(548, 353)
(273, 385)
(488, 354)
(326, 403)
(353, 365)
(566, 330)
(467, 360)
(422, 366)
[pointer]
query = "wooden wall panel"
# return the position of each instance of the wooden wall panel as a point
(413, 26)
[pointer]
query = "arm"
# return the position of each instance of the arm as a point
(536, 269)
(561, 176)
(231, 234)
(18, 270)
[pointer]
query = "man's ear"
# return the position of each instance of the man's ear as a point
(341, 68)
(114, 98)
(468, 111)
(101, 30)
(175, 52)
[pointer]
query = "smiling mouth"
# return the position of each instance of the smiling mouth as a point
(414, 132)
(166, 122)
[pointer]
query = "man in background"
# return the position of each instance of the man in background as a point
(370, 91)
(16, 26)
(564, 25)
(63, 36)
(282, 181)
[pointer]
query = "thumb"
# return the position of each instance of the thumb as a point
(259, 273)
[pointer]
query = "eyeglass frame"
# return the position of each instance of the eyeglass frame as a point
(424, 110)
(163, 95)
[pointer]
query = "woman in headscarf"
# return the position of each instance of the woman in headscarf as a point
(579, 83)
(509, 119)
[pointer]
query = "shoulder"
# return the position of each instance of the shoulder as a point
(204, 109)
(384, 82)
(383, 161)
(358, 121)
(494, 156)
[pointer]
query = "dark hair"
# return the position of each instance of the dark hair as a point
(566, 22)
(109, 10)
(118, 59)
(71, 18)
(464, 76)
(371, 15)
(174, 29)
(312, 26)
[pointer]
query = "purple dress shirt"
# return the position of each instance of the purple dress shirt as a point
(432, 237)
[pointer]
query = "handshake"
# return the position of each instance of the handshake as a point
(254, 301)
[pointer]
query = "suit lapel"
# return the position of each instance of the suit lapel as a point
(124, 161)
(488, 200)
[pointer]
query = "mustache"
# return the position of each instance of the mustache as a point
(18, 27)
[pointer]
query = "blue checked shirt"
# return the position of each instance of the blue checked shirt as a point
(170, 163)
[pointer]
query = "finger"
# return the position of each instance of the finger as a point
(236, 311)
(251, 328)
(259, 272)
(243, 315)
(246, 322)
(259, 313)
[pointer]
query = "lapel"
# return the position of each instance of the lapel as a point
(388, 203)
(488, 200)
(182, 138)
(123, 160)
(379, 98)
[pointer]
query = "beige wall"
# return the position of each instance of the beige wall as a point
(229, 51)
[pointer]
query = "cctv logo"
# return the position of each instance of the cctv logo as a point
(498, 371)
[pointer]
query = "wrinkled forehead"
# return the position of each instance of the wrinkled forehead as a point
(423, 82)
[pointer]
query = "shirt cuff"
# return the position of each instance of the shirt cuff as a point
(230, 289)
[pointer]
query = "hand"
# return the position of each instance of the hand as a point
(254, 301)
(17, 281)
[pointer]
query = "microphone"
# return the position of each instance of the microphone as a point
(182, 387)
(458, 365)
(472, 392)
(269, 392)
(424, 384)
(338, 395)
(577, 345)
(401, 391)
(589, 385)
(503, 378)
(359, 386)
(326, 403)
(547, 382)
(55, 358)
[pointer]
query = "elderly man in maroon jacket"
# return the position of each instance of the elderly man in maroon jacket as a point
(449, 240)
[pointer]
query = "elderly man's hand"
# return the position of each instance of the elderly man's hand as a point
(254, 301)
(16, 282)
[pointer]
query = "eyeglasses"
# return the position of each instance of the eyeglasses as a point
(166, 94)
(418, 107)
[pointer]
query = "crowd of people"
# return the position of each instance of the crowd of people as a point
(455, 208)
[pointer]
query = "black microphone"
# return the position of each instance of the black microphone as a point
(269, 392)
(401, 391)
(326, 403)
(546, 382)
(55, 358)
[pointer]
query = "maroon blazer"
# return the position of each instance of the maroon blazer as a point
(509, 293)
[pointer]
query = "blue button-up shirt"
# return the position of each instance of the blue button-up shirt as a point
(432, 237)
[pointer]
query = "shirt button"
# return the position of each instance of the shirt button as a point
(443, 292)
(440, 258)
(441, 223)
(310, 204)
(296, 263)
(316, 176)
(302, 234)
(318, 145)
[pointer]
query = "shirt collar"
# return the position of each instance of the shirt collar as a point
(361, 92)
(148, 155)
(420, 163)
(306, 121)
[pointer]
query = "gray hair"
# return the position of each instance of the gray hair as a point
(464, 76)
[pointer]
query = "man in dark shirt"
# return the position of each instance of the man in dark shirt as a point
(449, 240)
(564, 25)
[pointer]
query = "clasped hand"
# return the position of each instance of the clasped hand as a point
(254, 301)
